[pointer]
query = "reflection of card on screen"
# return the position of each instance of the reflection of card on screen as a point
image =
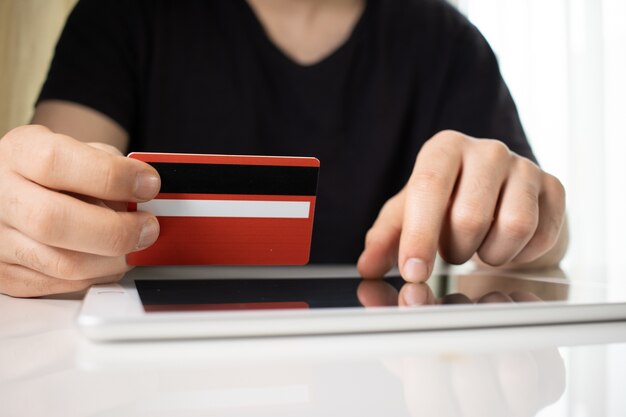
(222, 209)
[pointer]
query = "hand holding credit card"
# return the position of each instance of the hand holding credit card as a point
(230, 210)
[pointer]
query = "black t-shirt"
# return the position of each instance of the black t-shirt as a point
(201, 76)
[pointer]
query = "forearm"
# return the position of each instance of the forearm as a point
(81, 123)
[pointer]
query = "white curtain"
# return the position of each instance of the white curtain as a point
(565, 63)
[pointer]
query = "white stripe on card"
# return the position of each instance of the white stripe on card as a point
(227, 208)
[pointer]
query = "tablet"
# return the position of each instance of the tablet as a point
(219, 302)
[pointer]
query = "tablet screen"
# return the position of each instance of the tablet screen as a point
(165, 295)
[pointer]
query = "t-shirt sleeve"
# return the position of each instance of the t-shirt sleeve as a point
(476, 100)
(95, 60)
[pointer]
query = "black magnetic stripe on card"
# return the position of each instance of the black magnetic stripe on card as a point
(236, 179)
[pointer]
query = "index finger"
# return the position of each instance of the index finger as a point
(428, 193)
(62, 163)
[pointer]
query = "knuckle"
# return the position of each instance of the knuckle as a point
(55, 264)
(470, 219)
(546, 238)
(11, 204)
(12, 142)
(519, 225)
(17, 134)
(121, 239)
(109, 178)
(16, 281)
(45, 158)
(13, 285)
(527, 167)
(105, 147)
(425, 181)
(42, 222)
(554, 185)
(38, 287)
(66, 267)
(117, 244)
(492, 259)
(494, 150)
(29, 257)
(7, 140)
(529, 196)
(450, 137)
(113, 176)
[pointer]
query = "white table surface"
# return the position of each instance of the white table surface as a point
(48, 369)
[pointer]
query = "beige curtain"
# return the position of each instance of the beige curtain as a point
(28, 32)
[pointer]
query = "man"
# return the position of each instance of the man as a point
(379, 91)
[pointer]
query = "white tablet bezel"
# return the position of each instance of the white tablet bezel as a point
(114, 311)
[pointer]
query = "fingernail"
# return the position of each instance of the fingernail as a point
(415, 270)
(149, 234)
(146, 186)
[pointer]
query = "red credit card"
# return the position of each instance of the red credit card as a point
(230, 210)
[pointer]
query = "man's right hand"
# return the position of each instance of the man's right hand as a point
(63, 219)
